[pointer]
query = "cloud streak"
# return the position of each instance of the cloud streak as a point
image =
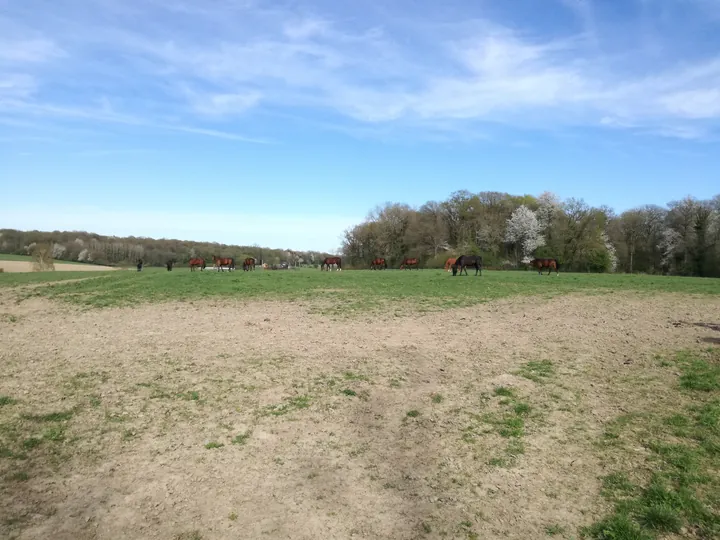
(207, 69)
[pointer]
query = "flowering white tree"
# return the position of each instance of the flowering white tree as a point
(58, 250)
(523, 229)
(671, 242)
(612, 253)
(549, 204)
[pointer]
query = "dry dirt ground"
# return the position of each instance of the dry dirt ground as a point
(27, 266)
(318, 411)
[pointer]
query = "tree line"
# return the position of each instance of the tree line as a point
(114, 251)
(681, 238)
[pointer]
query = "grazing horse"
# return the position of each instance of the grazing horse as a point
(550, 264)
(328, 261)
(197, 262)
(378, 264)
(219, 262)
(450, 262)
(249, 264)
(409, 263)
(139, 265)
(463, 261)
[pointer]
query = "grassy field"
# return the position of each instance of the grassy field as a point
(349, 291)
(582, 406)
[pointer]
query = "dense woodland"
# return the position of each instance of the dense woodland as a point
(682, 238)
(111, 250)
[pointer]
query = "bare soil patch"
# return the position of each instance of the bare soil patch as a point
(27, 266)
(232, 420)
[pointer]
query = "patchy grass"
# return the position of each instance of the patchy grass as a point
(413, 413)
(553, 530)
(20, 476)
(214, 444)
(241, 438)
(538, 371)
(59, 416)
(32, 442)
(290, 404)
(683, 457)
(508, 422)
(7, 400)
(701, 374)
(189, 535)
(504, 391)
(349, 392)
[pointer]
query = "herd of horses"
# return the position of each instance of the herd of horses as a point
(461, 264)
(457, 264)
(219, 263)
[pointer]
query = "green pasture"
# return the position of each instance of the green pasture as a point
(339, 292)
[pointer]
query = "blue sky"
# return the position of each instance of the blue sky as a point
(283, 123)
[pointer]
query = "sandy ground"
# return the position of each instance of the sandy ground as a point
(27, 266)
(317, 463)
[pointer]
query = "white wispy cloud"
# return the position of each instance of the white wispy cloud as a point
(187, 66)
(29, 51)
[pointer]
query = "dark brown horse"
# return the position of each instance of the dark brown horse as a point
(550, 264)
(450, 262)
(197, 262)
(407, 263)
(329, 261)
(219, 262)
(378, 264)
(249, 264)
(463, 261)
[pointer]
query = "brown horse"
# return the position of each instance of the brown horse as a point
(378, 264)
(219, 262)
(249, 264)
(463, 261)
(550, 264)
(329, 261)
(409, 263)
(450, 262)
(197, 262)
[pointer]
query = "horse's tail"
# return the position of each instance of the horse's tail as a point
(557, 265)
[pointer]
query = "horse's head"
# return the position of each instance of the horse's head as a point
(454, 269)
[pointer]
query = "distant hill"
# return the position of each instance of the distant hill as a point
(81, 246)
